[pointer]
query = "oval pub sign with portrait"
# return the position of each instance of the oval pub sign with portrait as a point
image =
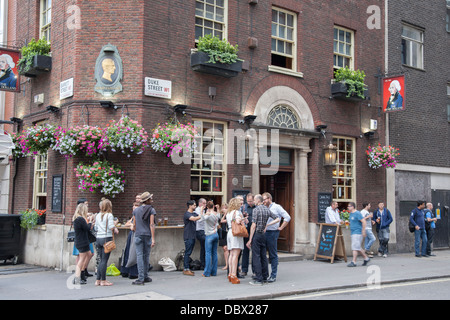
(108, 71)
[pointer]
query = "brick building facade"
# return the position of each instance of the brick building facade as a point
(290, 50)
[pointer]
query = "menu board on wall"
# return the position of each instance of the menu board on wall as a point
(57, 192)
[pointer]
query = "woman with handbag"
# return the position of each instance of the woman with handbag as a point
(81, 228)
(105, 227)
(235, 243)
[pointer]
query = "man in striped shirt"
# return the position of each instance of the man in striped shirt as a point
(257, 240)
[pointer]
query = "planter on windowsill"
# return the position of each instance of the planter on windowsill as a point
(41, 64)
(199, 63)
(339, 90)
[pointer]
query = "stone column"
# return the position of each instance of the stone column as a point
(301, 199)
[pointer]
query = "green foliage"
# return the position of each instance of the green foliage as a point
(218, 50)
(40, 47)
(28, 218)
(354, 80)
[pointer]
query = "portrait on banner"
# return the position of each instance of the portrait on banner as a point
(394, 94)
(9, 76)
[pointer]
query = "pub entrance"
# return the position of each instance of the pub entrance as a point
(281, 186)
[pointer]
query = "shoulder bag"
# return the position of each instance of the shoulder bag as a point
(110, 245)
(238, 229)
(71, 234)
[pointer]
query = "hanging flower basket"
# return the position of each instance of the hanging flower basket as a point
(382, 156)
(34, 140)
(80, 140)
(126, 136)
(102, 176)
(173, 138)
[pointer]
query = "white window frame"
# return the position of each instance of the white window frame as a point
(409, 43)
(197, 163)
(212, 20)
(345, 174)
(40, 178)
(344, 43)
(45, 24)
(294, 42)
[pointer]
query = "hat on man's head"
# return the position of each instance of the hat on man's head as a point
(146, 196)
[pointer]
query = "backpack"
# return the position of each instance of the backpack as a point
(411, 227)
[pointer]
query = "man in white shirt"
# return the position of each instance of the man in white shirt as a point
(332, 214)
(370, 238)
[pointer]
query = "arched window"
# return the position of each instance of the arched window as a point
(283, 117)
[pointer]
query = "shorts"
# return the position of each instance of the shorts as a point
(75, 250)
(84, 249)
(356, 242)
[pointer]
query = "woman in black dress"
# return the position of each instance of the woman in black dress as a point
(81, 228)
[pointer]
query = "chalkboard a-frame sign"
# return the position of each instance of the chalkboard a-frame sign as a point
(330, 243)
(57, 192)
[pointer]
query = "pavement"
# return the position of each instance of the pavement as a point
(25, 282)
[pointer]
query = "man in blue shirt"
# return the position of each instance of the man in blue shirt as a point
(383, 219)
(358, 232)
(430, 225)
(417, 218)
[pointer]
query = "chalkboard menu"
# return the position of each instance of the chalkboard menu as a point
(324, 200)
(57, 192)
(330, 243)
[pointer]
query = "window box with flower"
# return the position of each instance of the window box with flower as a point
(30, 218)
(35, 58)
(349, 85)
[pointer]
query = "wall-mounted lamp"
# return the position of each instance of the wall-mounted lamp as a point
(249, 119)
(212, 92)
(181, 108)
(321, 128)
(107, 104)
(369, 134)
(329, 155)
(52, 109)
(16, 120)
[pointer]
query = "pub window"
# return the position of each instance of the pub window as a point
(343, 48)
(40, 181)
(210, 18)
(284, 30)
(283, 117)
(412, 47)
(208, 165)
(46, 19)
(344, 172)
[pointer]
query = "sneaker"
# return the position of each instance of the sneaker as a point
(366, 262)
(188, 273)
(351, 264)
(256, 283)
(148, 279)
(138, 283)
(385, 255)
(271, 279)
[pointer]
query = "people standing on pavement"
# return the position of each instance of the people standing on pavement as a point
(223, 232)
(84, 273)
(81, 226)
(273, 232)
(369, 238)
(430, 225)
(332, 214)
(104, 225)
(234, 244)
(200, 231)
(190, 218)
(383, 219)
(417, 218)
(211, 219)
(248, 213)
(257, 240)
(144, 236)
(357, 232)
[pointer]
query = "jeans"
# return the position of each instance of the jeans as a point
(383, 237)
(143, 246)
(420, 234)
(188, 248)
(211, 243)
(259, 258)
(430, 236)
(271, 244)
(103, 264)
(200, 235)
(370, 239)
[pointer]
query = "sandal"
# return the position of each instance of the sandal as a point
(97, 282)
(106, 284)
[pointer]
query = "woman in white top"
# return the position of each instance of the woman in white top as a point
(234, 244)
(104, 224)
